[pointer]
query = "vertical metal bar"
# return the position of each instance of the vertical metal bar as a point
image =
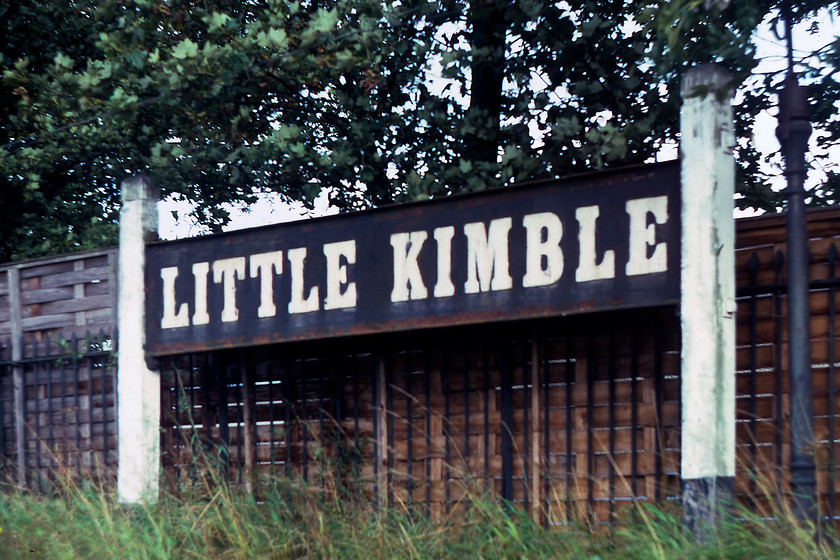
(188, 426)
(376, 403)
(658, 350)
(239, 399)
(197, 451)
(590, 409)
(409, 428)
(486, 395)
(526, 435)
(337, 377)
(466, 358)
(288, 404)
(612, 374)
(571, 363)
(272, 441)
(247, 435)
(238, 387)
(356, 451)
(636, 349)
(753, 366)
(165, 414)
(176, 426)
(224, 416)
(799, 349)
(304, 423)
(793, 132)
(321, 410)
(778, 310)
(209, 374)
(427, 390)
(832, 390)
(194, 436)
(289, 389)
(507, 427)
(533, 426)
(191, 363)
(546, 387)
(166, 423)
(389, 407)
(447, 428)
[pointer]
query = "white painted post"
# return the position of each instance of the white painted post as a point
(138, 387)
(707, 306)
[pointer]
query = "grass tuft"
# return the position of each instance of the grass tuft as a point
(294, 522)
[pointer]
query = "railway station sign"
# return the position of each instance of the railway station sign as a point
(596, 242)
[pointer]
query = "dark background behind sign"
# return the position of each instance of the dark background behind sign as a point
(373, 270)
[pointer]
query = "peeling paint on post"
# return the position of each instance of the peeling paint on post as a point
(707, 305)
(138, 387)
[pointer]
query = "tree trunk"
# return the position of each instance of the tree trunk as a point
(487, 43)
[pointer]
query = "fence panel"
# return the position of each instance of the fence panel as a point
(763, 407)
(572, 415)
(57, 383)
(68, 424)
(59, 297)
(561, 418)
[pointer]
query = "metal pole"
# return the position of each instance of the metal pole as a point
(793, 132)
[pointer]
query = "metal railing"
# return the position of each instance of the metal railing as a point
(58, 408)
(563, 417)
(764, 405)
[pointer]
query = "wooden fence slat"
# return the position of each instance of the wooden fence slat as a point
(76, 305)
(61, 296)
(75, 277)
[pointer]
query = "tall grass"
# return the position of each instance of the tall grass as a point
(290, 519)
(298, 522)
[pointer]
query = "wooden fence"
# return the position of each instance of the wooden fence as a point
(569, 415)
(57, 386)
(559, 416)
(58, 297)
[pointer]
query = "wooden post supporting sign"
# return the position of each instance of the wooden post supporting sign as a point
(138, 387)
(707, 303)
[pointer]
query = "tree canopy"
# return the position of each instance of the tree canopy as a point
(376, 102)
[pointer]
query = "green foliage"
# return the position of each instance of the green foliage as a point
(377, 102)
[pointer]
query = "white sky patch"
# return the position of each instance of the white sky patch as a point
(269, 209)
(773, 55)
